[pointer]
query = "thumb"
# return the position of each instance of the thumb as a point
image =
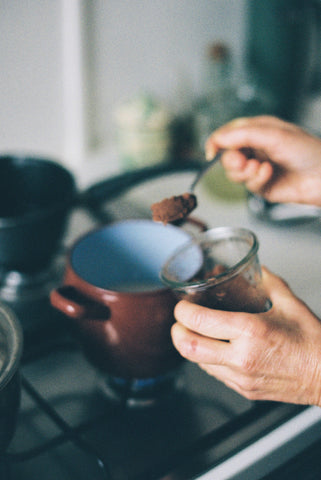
(277, 289)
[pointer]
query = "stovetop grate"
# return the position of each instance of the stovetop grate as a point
(248, 421)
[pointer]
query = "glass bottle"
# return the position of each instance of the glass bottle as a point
(218, 104)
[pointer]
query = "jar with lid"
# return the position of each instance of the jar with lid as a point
(142, 131)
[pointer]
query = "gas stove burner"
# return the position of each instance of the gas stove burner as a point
(142, 392)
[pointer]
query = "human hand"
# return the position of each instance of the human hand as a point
(284, 164)
(275, 355)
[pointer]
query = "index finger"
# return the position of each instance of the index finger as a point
(258, 133)
(211, 323)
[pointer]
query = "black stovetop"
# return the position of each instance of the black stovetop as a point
(68, 428)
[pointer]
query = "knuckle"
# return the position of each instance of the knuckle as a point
(256, 329)
(197, 321)
(248, 385)
(250, 395)
(246, 361)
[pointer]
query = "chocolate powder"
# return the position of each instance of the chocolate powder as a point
(174, 208)
(238, 293)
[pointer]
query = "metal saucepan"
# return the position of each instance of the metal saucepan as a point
(11, 342)
(36, 197)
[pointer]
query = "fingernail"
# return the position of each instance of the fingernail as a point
(238, 122)
(210, 151)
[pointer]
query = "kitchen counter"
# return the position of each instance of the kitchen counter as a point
(305, 466)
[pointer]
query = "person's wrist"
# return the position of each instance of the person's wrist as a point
(318, 399)
(316, 383)
(311, 190)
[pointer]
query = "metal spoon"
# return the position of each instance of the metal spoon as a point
(204, 169)
(178, 207)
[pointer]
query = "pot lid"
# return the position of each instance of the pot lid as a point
(11, 341)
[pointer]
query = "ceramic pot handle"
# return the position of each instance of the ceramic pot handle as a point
(76, 305)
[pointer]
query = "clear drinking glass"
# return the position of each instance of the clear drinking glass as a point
(219, 269)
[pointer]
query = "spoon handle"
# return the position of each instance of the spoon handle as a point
(204, 169)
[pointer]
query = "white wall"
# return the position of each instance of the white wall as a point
(156, 45)
(30, 76)
(130, 46)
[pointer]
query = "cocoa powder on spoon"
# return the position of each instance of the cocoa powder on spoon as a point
(174, 208)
